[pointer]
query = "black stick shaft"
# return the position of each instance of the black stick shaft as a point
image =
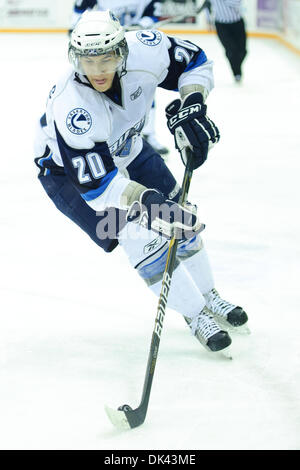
(138, 416)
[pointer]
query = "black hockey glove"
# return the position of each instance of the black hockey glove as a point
(188, 122)
(154, 212)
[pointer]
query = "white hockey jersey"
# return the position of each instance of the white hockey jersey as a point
(93, 136)
(129, 12)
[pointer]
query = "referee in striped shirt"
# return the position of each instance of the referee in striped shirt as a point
(230, 28)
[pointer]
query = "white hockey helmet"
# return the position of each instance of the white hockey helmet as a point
(99, 33)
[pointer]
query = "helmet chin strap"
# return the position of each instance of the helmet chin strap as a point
(123, 71)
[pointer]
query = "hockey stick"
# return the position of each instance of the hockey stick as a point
(125, 417)
(171, 19)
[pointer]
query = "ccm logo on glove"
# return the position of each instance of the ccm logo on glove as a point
(183, 114)
(191, 127)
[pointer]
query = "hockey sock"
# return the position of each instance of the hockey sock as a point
(194, 257)
(184, 296)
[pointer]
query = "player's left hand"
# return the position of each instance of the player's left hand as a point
(188, 122)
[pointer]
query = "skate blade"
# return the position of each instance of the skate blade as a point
(242, 330)
(225, 353)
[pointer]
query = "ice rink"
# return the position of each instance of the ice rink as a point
(76, 324)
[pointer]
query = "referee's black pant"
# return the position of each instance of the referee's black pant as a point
(233, 38)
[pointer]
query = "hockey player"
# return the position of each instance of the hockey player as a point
(100, 173)
(140, 14)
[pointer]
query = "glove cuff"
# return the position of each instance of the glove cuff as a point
(195, 97)
(196, 88)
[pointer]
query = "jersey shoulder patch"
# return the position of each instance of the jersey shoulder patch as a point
(79, 121)
(149, 38)
(148, 51)
(80, 114)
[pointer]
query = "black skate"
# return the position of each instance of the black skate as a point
(227, 315)
(208, 332)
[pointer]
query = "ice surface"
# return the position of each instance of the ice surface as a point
(76, 324)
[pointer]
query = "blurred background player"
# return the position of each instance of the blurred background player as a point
(101, 174)
(140, 14)
(230, 28)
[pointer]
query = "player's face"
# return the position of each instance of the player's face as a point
(100, 70)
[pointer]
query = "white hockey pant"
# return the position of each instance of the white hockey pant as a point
(192, 277)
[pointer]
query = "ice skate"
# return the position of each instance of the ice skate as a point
(227, 315)
(208, 332)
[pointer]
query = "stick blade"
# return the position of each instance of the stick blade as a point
(118, 418)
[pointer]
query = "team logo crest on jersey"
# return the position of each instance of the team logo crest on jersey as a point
(149, 38)
(79, 121)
